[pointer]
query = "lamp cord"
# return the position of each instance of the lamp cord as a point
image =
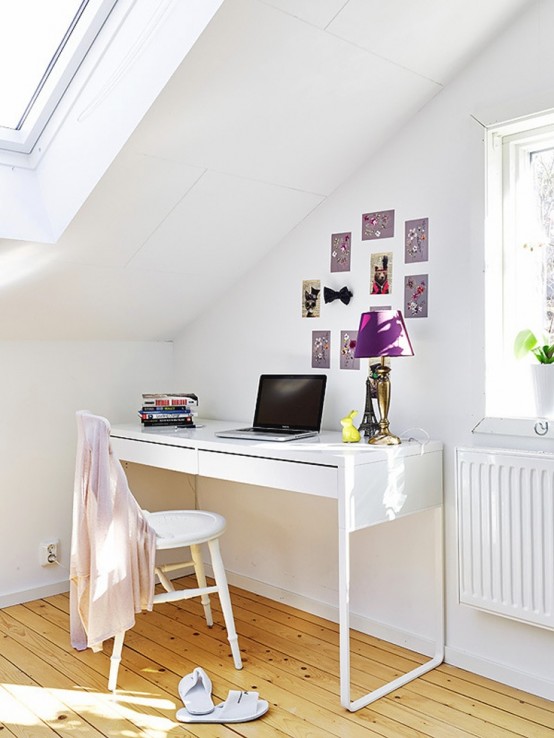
(410, 434)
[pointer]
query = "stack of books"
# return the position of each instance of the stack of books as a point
(159, 410)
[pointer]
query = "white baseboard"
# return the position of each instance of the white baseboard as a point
(399, 637)
(500, 673)
(35, 593)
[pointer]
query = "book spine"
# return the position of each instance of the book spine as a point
(166, 416)
(167, 408)
(184, 409)
(169, 399)
(188, 422)
(169, 402)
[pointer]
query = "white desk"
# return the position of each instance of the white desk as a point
(372, 485)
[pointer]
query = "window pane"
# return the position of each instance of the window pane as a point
(519, 258)
(30, 33)
(542, 168)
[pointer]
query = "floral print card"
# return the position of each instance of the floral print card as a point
(416, 240)
(347, 347)
(378, 225)
(381, 274)
(311, 289)
(321, 345)
(341, 244)
(416, 295)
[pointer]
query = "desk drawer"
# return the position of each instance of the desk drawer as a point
(177, 458)
(295, 476)
(403, 486)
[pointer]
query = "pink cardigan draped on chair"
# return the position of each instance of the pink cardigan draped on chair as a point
(112, 548)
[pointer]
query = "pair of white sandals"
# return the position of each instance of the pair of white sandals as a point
(195, 689)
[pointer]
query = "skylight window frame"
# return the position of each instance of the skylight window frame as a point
(54, 84)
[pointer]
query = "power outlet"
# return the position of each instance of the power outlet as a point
(48, 552)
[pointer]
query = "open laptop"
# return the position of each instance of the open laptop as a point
(288, 407)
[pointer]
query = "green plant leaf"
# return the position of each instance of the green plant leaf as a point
(525, 342)
(549, 353)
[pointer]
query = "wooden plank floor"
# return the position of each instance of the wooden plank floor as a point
(47, 689)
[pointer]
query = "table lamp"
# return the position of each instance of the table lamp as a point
(383, 333)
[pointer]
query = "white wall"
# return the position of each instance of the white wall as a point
(43, 384)
(435, 169)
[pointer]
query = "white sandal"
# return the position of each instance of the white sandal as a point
(195, 689)
(239, 707)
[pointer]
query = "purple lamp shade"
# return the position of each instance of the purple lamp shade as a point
(382, 333)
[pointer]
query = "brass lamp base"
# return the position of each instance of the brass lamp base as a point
(383, 437)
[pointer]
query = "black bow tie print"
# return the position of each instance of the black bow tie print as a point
(343, 295)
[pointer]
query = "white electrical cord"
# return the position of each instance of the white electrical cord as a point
(410, 434)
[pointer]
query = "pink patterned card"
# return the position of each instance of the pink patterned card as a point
(378, 225)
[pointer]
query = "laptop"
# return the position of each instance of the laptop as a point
(288, 407)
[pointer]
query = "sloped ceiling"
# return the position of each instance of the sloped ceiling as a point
(278, 102)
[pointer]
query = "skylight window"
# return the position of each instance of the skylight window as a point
(42, 44)
(31, 34)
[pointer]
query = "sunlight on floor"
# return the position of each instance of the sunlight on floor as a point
(126, 715)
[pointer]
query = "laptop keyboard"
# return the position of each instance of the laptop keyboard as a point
(273, 431)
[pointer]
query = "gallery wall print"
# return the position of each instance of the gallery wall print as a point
(378, 225)
(311, 292)
(416, 240)
(341, 246)
(347, 347)
(416, 295)
(381, 273)
(321, 349)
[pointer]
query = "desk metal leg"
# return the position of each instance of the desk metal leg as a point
(344, 622)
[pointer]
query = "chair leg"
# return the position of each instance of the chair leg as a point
(166, 583)
(225, 599)
(115, 660)
(201, 579)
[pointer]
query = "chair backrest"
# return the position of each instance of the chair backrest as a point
(112, 547)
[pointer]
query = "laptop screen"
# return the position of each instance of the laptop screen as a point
(292, 401)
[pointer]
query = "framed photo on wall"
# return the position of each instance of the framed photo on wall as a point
(311, 298)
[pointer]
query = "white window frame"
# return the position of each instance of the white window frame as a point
(508, 390)
(24, 139)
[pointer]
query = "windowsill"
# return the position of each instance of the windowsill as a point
(522, 427)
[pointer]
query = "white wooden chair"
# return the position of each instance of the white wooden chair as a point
(174, 529)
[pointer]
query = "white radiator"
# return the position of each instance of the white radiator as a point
(506, 533)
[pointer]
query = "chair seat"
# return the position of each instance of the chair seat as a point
(176, 528)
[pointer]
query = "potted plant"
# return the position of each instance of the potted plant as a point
(526, 342)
